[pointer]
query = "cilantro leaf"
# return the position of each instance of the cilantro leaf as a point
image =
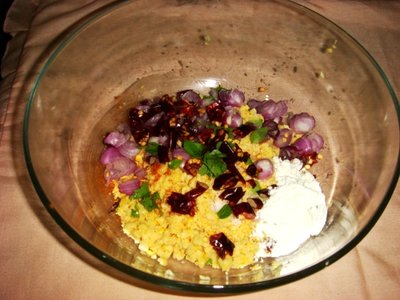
(150, 202)
(257, 122)
(248, 161)
(152, 148)
(194, 149)
(175, 163)
(135, 212)
(229, 132)
(213, 164)
(146, 198)
(141, 192)
(203, 170)
(224, 212)
(258, 135)
(257, 187)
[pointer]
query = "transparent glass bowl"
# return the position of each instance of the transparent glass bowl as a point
(129, 51)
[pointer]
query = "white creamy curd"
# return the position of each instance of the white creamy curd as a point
(295, 210)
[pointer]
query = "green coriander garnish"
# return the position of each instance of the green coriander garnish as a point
(152, 148)
(224, 212)
(175, 163)
(257, 187)
(258, 135)
(135, 212)
(257, 122)
(248, 161)
(148, 200)
(229, 132)
(213, 164)
(141, 192)
(194, 149)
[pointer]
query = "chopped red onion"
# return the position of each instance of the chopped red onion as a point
(309, 144)
(143, 107)
(233, 97)
(180, 153)
(284, 138)
(233, 118)
(129, 149)
(109, 155)
(124, 128)
(161, 140)
(302, 123)
(265, 168)
(115, 139)
(303, 145)
(128, 187)
(140, 173)
(153, 121)
(317, 142)
(270, 109)
(253, 103)
(120, 166)
(191, 96)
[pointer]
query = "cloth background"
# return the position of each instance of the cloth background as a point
(39, 261)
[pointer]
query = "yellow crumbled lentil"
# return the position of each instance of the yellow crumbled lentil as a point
(162, 234)
(249, 115)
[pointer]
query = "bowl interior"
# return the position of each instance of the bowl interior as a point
(142, 49)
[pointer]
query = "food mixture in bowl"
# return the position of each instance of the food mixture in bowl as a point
(215, 179)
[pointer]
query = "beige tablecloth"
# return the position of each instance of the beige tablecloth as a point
(39, 261)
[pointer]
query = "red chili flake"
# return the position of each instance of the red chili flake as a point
(221, 244)
(192, 167)
(186, 204)
(233, 195)
(215, 111)
(182, 204)
(224, 181)
(243, 130)
(197, 191)
(245, 209)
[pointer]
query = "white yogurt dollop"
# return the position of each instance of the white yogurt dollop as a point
(295, 210)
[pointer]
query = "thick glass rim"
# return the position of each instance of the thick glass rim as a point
(180, 285)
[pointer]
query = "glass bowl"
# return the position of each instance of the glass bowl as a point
(132, 50)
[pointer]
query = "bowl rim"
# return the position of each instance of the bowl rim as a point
(170, 283)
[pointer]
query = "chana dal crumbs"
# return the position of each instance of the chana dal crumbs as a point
(194, 174)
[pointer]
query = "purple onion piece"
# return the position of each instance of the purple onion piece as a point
(284, 138)
(128, 187)
(302, 123)
(265, 168)
(120, 166)
(129, 149)
(180, 153)
(317, 142)
(161, 140)
(115, 139)
(140, 173)
(191, 96)
(303, 145)
(109, 155)
(233, 118)
(124, 128)
(233, 97)
(253, 103)
(272, 126)
(153, 121)
(272, 110)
